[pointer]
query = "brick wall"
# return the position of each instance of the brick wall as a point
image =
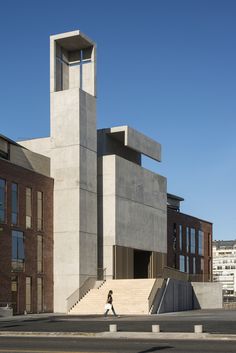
(37, 182)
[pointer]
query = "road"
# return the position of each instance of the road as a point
(79, 345)
(213, 321)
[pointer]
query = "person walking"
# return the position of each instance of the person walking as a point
(109, 304)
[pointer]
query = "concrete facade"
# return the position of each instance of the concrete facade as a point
(72, 148)
(110, 213)
(132, 199)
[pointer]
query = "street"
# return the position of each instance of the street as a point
(80, 345)
(213, 321)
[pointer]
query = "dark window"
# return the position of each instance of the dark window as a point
(28, 217)
(2, 200)
(14, 204)
(39, 210)
(18, 251)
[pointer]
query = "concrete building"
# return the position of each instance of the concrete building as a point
(26, 229)
(72, 149)
(132, 217)
(109, 213)
(224, 267)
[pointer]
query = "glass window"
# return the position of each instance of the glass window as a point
(202, 265)
(193, 241)
(28, 291)
(180, 238)
(28, 197)
(187, 239)
(39, 295)
(4, 149)
(200, 242)
(14, 204)
(2, 200)
(39, 253)
(18, 251)
(181, 263)
(187, 264)
(39, 210)
(194, 265)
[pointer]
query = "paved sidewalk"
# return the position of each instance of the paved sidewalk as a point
(217, 325)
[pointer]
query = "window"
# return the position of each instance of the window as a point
(28, 217)
(187, 264)
(39, 210)
(180, 238)
(39, 295)
(202, 265)
(2, 200)
(187, 239)
(4, 149)
(209, 244)
(18, 252)
(200, 242)
(39, 253)
(14, 204)
(194, 265)
(28, 291)
(193, 241)
(181, 263)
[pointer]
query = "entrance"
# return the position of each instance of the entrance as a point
(141, 263)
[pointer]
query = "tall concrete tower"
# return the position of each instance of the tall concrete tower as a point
(73, 148)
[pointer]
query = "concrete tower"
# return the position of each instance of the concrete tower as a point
(73, 162)
(72, 148)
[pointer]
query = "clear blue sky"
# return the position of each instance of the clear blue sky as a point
(165, 67)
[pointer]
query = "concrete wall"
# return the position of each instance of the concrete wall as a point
(181, 295)
(39, 145)
(207, 295)
(134, 208)
(72, 148)
(29, 160)
(177, 296)
(74, 168)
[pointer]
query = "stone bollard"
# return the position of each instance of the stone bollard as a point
(113, 328)
(198, 329)
(156, 328)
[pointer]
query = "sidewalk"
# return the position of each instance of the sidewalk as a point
(217, 325)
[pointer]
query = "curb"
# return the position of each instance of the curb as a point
(125, 335)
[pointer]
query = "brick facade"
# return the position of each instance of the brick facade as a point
(176, 219)
(37, 182)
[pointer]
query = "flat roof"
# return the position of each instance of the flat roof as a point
(72, 40)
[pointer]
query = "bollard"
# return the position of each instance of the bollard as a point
(198, 329)
(113, 328)
(156, 328)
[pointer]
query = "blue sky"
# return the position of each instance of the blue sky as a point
(165, 67)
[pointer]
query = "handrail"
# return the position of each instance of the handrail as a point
(80, 292)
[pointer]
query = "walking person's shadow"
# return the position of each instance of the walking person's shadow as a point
(155, 349)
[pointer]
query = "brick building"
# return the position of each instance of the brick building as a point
(189, 242)
(26, 229)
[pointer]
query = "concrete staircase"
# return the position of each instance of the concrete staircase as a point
(130, 297)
